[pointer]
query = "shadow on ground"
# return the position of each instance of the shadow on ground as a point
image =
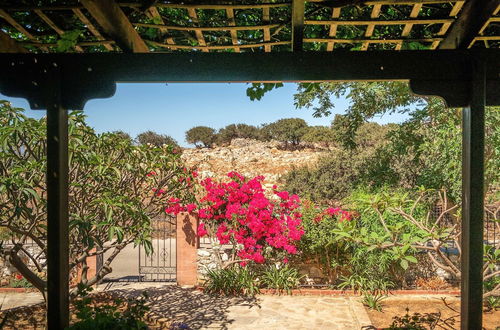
(191, 307)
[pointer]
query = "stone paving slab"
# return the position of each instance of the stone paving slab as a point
(201, 311)
(15, 299)
(296, 312)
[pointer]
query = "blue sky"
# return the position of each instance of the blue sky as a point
(174, 108)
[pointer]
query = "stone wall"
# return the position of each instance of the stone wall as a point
(207, 256)
(250, 158)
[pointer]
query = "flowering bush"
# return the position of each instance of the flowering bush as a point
(326, 239)
(239, 213)
(111, 204)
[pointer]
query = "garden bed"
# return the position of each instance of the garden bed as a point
(327, 292)
(332, 292)
(20, 290)
(444, 311)
(34, 316)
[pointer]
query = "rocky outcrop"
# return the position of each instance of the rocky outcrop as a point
(250, 158)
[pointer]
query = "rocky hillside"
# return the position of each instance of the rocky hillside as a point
(250, 158)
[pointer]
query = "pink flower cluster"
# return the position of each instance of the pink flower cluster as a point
(238, 212)
(332, 212)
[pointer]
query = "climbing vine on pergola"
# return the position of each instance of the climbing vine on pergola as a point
(166, 26)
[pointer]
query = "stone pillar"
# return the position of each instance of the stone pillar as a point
(92, 264)
(187, 245)
(91, 270)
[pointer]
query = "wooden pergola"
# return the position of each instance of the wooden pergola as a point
(446, 48)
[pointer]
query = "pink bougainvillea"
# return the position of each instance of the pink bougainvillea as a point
(334, 211)
(238, 212)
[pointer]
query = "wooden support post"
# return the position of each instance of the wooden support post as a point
(473, 202)
(57, 208)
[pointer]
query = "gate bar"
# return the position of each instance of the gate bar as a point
(57, 206)
(473, 201)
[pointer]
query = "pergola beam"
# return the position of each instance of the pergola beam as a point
(9, 45)
(443, 73)
(116, 24)
(20, 28)
(54, 26)
(474, 14)
(81, 16)
(298, 10)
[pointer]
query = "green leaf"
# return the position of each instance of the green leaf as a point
(411, 259)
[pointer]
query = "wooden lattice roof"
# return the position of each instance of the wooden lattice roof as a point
(246, 26)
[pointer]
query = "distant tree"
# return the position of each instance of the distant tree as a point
(320, 134)
(201, 136)
(288, 131)
(123, 134)
(234, 131)
(158, 140)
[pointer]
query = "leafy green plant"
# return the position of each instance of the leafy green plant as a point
(20, 281)
(415, 321)
(231, 281)
(281, 278)
(326, 241)
(119, 315)
(116, 189)
(68, 40)
(373, 300)
(373, 289)
(492, 298)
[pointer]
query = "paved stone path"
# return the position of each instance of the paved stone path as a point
(201, 311)
(15, 299)
(296, 312)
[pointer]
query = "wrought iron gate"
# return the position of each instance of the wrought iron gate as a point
(160, 265)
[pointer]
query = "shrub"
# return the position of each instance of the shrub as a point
(280, 278)
(201, 136)
(324, 241)
(116, 188)
(397, 226)
(119, 315)
(320, 134)
(231, 281)
(158, 140)
(332, 178)
(418, 321)
(19, 282)
(239, 213)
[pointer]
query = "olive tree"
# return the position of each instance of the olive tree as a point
(288, 130)
(201, 136)
(234, 131)
(115, 190)
(156, 139)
